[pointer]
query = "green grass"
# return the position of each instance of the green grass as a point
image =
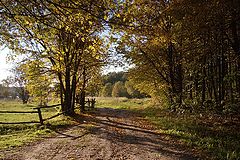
(16, 106)
(23, 117)
(17, 135)
(216, 136)
(120, 103)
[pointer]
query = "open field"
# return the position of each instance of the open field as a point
(121, 103)
(22, 117)
(13, 135)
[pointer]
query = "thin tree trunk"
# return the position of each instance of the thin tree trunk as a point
(204, 81)
(74, 84)
(82, 95)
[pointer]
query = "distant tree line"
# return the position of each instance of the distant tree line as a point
(116, 84)
(113, 84)
(7, 92)
(20, 93)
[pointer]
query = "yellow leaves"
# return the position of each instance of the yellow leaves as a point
(159, 40)
(90, 22)
(92, 48)
(55, 68)
(94, 51)
(105, 17)
(83, 39)
(118, 15)
(39, 35)
(67, 28)
(97, 56)
(61, 58)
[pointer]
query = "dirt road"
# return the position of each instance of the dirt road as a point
(108, 134)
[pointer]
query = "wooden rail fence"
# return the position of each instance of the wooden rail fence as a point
(38, 111)
(19, 112)
(90, 104)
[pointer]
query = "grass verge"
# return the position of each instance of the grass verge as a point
(217, 136)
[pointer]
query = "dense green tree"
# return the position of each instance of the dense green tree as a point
(114, 77)
(131, 91)
(94, 84)
(119, 90)
(107, 90)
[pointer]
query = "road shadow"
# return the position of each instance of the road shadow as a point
(122, 126)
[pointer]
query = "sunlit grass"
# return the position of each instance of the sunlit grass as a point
(23, 117)
(120, 102)
(203, 132)
(208, 133)
(19, 134)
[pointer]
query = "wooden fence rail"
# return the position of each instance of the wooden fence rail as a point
(90, 105)
(38, 111)
(18, 111)
(19, 122)
(41, 106)
(41, 120)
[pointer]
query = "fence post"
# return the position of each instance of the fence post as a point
(88, 103)
(93, 103)
(40, 116)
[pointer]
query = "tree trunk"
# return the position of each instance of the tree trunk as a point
(74, 86)
(68, 91)
(204, 82)
(82, 95)
(82, 101)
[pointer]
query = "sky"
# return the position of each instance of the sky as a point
(4, 65)
(112, 68)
